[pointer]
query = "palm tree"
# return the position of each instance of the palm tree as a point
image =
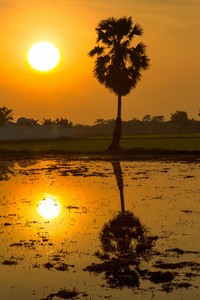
(118, 64)
(5, 115)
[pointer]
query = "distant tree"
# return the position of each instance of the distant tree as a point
(156, 125)
(57, 121)
(118, 65)
(64, 122)
(47, 122)
(5, 115)
(158, 119)
(27, 122)
(179, 117)
(146, 118)
(180, 122)
(110, 122)
(99, 121)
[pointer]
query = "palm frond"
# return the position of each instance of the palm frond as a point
(104, 37)
(145, 63)
(105, 24)
(105, 31)
(138, 60)
(140, 49)
(125, 49)
(123, 27)
(125, 45)
(5, 115)
(137, 30)
(111, 27)
(100, 68)
(96, 51)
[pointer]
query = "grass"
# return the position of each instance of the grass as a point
(75, 145)
(170, 143)
(187, 142)
(156, 136)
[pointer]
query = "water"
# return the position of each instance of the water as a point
(116, 230)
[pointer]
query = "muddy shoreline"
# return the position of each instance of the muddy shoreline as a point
(123, 155)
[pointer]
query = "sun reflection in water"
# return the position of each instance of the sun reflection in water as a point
(49, 208)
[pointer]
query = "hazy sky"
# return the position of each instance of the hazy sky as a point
(171, 32)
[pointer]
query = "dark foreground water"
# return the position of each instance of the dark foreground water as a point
(86, 229)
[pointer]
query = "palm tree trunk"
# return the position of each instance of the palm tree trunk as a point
(115, 144)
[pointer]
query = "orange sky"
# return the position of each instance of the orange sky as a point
(171, 32)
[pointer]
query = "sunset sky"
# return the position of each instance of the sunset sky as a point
(171, 32)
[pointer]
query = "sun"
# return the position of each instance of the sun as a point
(43, 56)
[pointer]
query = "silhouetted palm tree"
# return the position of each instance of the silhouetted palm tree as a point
(5, 115)
(118, 64)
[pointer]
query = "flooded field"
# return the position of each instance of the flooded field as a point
(83, 229)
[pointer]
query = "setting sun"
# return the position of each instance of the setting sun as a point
(43, 56)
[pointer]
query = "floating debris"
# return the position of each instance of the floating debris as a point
(7, 224)
(9, 262)
(62, 267)
(193, 265)
(161, 277)
(16, 245)
(180, 251)
(63, 293)
(48, 265)
(36, 265)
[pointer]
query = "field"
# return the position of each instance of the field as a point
(184, 142)
(85, 228)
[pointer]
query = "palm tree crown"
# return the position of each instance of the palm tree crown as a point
(118, 64)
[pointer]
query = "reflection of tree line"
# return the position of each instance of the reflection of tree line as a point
(125, 244)
(7, 168)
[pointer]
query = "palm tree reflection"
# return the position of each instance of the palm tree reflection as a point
(119, 176)
(9, 168)
(124, 242)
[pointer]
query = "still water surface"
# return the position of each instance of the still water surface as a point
(115, 230)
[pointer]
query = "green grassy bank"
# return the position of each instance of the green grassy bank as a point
(187, 142)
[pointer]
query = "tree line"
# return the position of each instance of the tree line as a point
(6, 116)
(178, 123)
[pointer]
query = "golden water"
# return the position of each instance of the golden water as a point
(52, 213)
